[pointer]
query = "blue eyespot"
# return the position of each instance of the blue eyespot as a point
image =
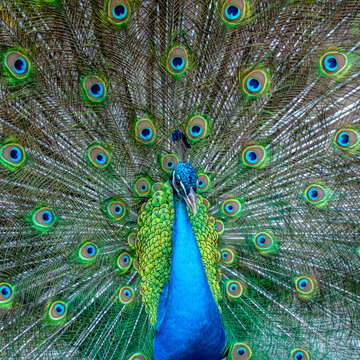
(233, 287)
(47, 217)
(20, 65)
(299, 355)
(126, 259)
(224, 254)
(251, 157)
(241, 351)
(261, 240)
(253, 84)
(118, 209)
(232, 12)
(5, 291)
(216, 227)
(177, 63)
(196, 130)
(331, 64)
(91, 250)
(127, 293)
(96, 90)
(15, 154)
(229, 208)
(344, 138)
(170, 165)
(313, 194)
(146, 133)
(60, 309)
(303, 283)
(101, 158)
(119, 12)
(144, 188)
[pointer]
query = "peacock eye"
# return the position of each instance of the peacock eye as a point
(6, 293)
(116, 210)
(132, 240)
(124, 262)
(316, 194)
(196, 128)
(264, 242)
(234, 289)
(219, 227)
(98, 156)
(299, 354)
(119, 11)
(232, 207)
(177, 62)
(332, 63)
(43, 218)
(255, 82)
(126, 295)
(203, 183)
(17, 64)
(145, 131)
(305, 285)
(169, 162)
(88, 252)
(57, 311)
(347, 139)
(241, 351)
(12, 154)
(227, 257)
(254, 156)
(142, 187)
(94, 89)
(233, 11)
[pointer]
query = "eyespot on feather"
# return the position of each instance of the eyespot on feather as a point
(57, 311)
(124, 262)
(333, 62)
(316, 195)
(132, 240)
(177, 61)
(231, 207)
(12, 154)
(203, 183)
(126, 295)
(264, 242)
(43, 218)
(169, 162)
(196, 128)
(115, 209)
(219, 227)
(98, 156)
(255, 83)
(233, 11)
(305, 286)
(254, 156)
(241, 351)
(299, 354)
(17, 65)
(142, 187)
(88, 252)
(94, 89)
(227, 257)
(118, 11)
(6, 293)
(234, 289)
(145, 131)
(347, 139)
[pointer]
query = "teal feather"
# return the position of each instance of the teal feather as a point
(269, 101)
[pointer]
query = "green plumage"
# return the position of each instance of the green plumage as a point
(270, 104)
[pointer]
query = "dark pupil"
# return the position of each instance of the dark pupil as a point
(90, 250)
(233, 10)
(143, 188)
(19, 64)
(345, 138)
(99, 157)
(177, 61)
(196, 129)
(201, 183)
(117, 209)
(170, 164)
(46, 216)
(4, 291)
(126, 260)
(95, 89)
(303, 284)
(230, 207)
(262, 241)
(233, 288)
(145, 132)
(58, 309)
(241, 352)
(254, 83)
(224, 255)
(119, 10)
(299, 357)
(314, 193)
(253, 156)
(14, 154)
(332, 62)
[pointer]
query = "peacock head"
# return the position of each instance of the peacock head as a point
(184, 181)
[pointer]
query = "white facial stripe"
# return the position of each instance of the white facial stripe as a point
(173, 180)
(182, 185)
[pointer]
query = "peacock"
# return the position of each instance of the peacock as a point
(180, 179)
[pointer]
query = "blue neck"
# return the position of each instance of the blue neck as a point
(192, 327)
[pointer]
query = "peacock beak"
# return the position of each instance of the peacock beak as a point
(191, 201)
